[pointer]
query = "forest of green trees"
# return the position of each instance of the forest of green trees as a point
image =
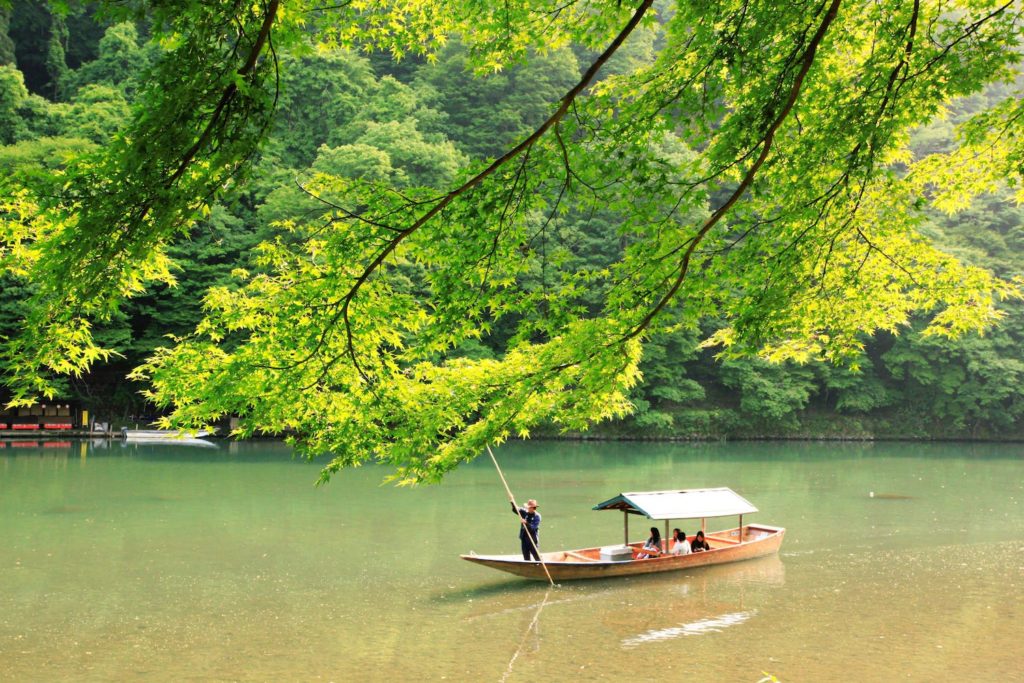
(69, 77)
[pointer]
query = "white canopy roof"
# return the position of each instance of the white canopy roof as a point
(684, 504)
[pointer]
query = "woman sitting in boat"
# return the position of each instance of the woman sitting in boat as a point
(699, 543)
(652, 546)
(680, 546)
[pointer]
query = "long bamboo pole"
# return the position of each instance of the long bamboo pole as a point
(522, 520)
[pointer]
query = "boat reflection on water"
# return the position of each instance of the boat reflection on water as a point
(768, 570)
(626, 613)
(703, 602)
(690, 609)
(700, 627)
(654, 601)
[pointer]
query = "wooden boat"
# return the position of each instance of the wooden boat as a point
(177, 443)
(743, 542)
(163, 435)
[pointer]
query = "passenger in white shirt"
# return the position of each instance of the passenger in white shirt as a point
(680, 546)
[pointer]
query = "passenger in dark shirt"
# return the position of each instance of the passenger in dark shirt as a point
(699, 544)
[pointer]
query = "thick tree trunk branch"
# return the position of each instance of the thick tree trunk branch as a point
(563, 107)
(748, 178)
(229, 92)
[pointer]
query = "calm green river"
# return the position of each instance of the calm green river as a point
(176, 563)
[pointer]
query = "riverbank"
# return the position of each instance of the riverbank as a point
(728, 426)
(705, 425)
(29, 434)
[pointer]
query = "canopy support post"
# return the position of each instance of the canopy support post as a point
(741, 528)
(625, 527)
(664, 539)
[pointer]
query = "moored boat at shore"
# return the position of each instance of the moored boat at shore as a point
(163, 435)
(742, 542)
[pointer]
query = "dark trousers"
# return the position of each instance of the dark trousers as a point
(528, 551)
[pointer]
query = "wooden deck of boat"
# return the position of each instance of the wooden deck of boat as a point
(726, 546)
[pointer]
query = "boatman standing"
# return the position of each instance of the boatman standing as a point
(531, 517)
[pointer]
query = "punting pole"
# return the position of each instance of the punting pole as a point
(522, 520)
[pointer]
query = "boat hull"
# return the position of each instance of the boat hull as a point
(189, 443)
(758, 541)
(163, 435)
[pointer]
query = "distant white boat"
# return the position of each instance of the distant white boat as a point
(163, 435)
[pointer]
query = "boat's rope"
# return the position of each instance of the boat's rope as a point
(522, 642)
(521, 519)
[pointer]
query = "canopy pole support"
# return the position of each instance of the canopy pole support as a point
(665, 537)
(522, 520)
(741, 528)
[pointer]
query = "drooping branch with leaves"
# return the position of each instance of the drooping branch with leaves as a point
(756, 174)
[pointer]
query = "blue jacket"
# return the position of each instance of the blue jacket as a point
(532, 523)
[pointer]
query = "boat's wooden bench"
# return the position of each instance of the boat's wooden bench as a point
(578, 556)
(722, 540)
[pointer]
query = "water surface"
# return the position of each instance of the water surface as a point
(171, 563)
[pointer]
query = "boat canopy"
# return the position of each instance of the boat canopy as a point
(684, 504)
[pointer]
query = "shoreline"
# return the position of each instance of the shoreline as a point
(8, 436)
(777, 437)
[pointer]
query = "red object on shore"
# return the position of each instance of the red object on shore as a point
(27, 426)
(57, 425)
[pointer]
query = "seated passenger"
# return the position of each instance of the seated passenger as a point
(680, 546)
(699, 543)
(652, 546)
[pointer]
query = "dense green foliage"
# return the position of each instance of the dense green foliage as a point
(701, 219)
